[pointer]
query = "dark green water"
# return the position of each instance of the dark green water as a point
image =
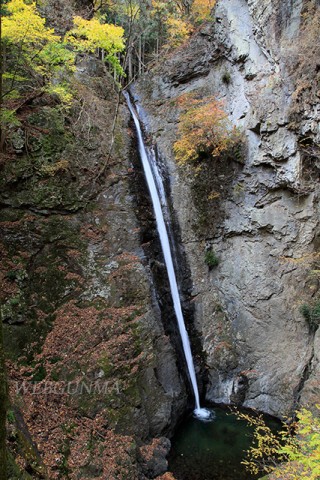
(211, 450)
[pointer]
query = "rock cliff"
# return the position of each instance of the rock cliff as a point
(258, 211)
(95, 371)
(93, 377)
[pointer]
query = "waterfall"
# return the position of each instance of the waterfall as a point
(201, 413)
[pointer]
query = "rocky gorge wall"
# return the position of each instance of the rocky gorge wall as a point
(77, 235)
(258, 211)
(93, 377)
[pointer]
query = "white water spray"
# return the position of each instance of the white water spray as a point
(201, 413)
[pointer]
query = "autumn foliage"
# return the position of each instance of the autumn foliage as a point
(35, 60)
(180, 18)
(178, 31)
(89, 35)
(204, 129)
(201, 9)
(292, 454)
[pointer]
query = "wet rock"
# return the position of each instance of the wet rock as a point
(153, 457)
(264, 220)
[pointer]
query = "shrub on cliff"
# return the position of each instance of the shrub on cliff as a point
(312, 314)
(211, 259)
(204, 129)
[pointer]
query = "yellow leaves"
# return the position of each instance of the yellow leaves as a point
(180, 18)
(62, 92)
(178, 31)
(88, 35)
(24, 25)
(304, 452)
(201, 9)
(286, 456)
(203, 129)
(52, 170)
(159, 7)
(33, 50)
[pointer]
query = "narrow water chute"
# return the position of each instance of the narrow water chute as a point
(201, 413)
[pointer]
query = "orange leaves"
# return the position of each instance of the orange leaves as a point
(204, 129)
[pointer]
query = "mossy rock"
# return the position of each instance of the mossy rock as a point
(13, 311)
(43, 284)
(53, 142)
(14, 472)
(20, 443)
(106, 365)
(18, 338)
(45, 177)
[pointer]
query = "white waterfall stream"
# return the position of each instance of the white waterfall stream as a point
(201, 413)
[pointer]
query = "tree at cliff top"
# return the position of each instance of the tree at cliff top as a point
(89, 35)
(178, 19)
(134, 17)
(33, 60)
(151, 25)
(194, 10)
(3, 12)
(3, 384)
(294, 454)
(203, 130)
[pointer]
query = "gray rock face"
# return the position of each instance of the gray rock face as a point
(153, 458)
(259, 349)
(156, 397)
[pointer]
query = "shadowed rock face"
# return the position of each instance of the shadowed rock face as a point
(263, 220)
(93, 376)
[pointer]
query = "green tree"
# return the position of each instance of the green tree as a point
(34, 49)
(33, 60)
(294, 454)
(3, 12)
(139, 26)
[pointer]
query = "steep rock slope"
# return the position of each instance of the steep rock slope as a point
(257, 211)
(92, 375)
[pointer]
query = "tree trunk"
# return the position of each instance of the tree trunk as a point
(1, 81)
(143, 54)
(139, 54)
(3, 408)
(130, 71)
